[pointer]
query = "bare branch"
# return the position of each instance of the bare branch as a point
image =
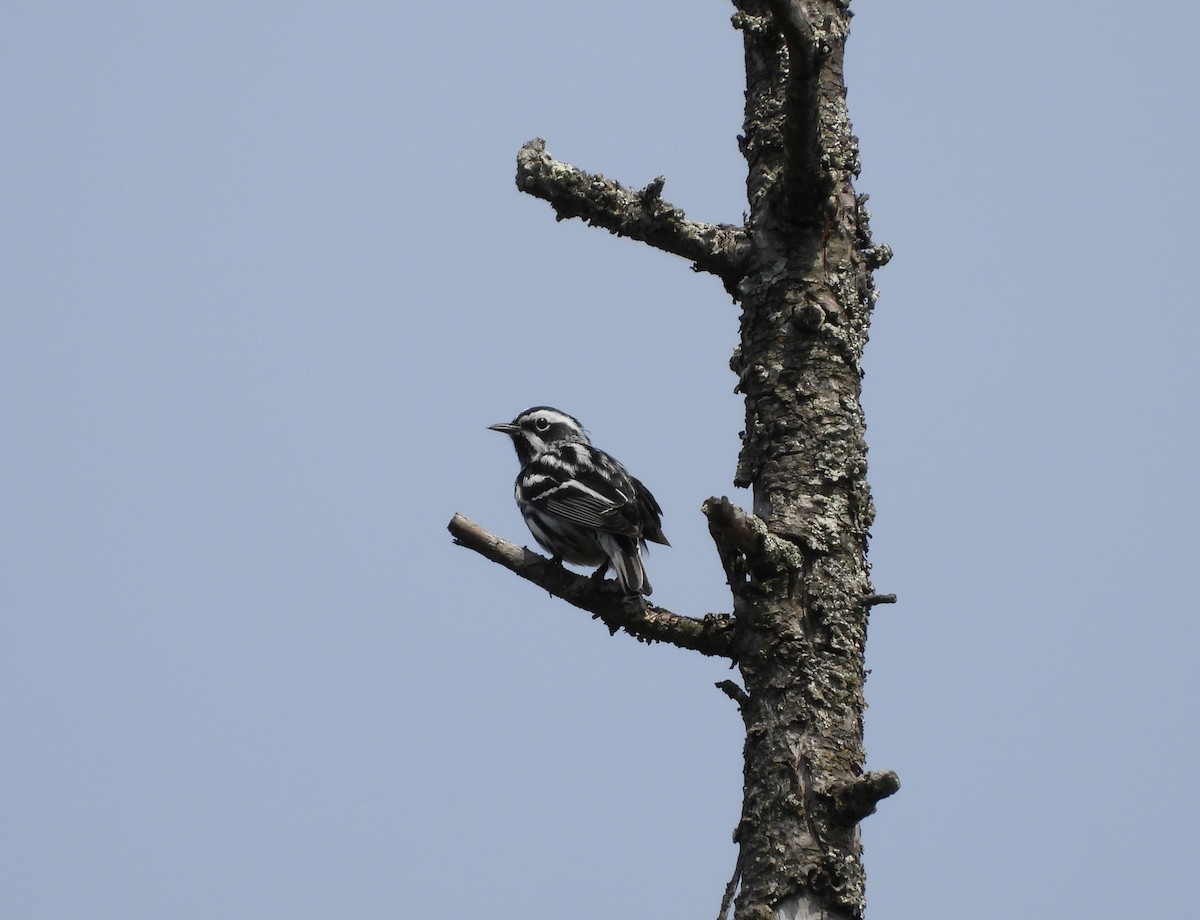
(721, 249)
(734, 692)
(731, 889)
(712, 635)
(874, 600)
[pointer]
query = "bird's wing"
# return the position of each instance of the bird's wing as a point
(597, 494)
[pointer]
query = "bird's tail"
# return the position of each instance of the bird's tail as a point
(625, 556)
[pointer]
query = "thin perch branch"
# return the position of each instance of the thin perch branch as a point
(712, 635)
(734, 692)
(720, 249)
(731, 889)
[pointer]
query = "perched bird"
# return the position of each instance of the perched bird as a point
(581, 504)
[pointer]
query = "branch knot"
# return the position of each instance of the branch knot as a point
(747, 547)
(855, 799)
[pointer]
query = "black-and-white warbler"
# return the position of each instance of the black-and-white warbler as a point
(581, 504)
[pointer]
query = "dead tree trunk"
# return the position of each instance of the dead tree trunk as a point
(800, 267)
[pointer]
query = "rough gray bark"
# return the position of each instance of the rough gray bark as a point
(800, 268)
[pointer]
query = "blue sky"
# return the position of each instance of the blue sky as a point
(267, 279)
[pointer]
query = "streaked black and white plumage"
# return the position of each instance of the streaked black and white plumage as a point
(580, 503)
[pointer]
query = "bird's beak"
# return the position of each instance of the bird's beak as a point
(504, 428)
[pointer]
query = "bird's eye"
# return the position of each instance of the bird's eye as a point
(541, 424)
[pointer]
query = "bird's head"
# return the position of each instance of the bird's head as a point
(536, 429)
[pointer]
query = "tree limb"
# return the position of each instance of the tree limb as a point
(712, 635)
(731, 889)
(734, 692)
(720, 249)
